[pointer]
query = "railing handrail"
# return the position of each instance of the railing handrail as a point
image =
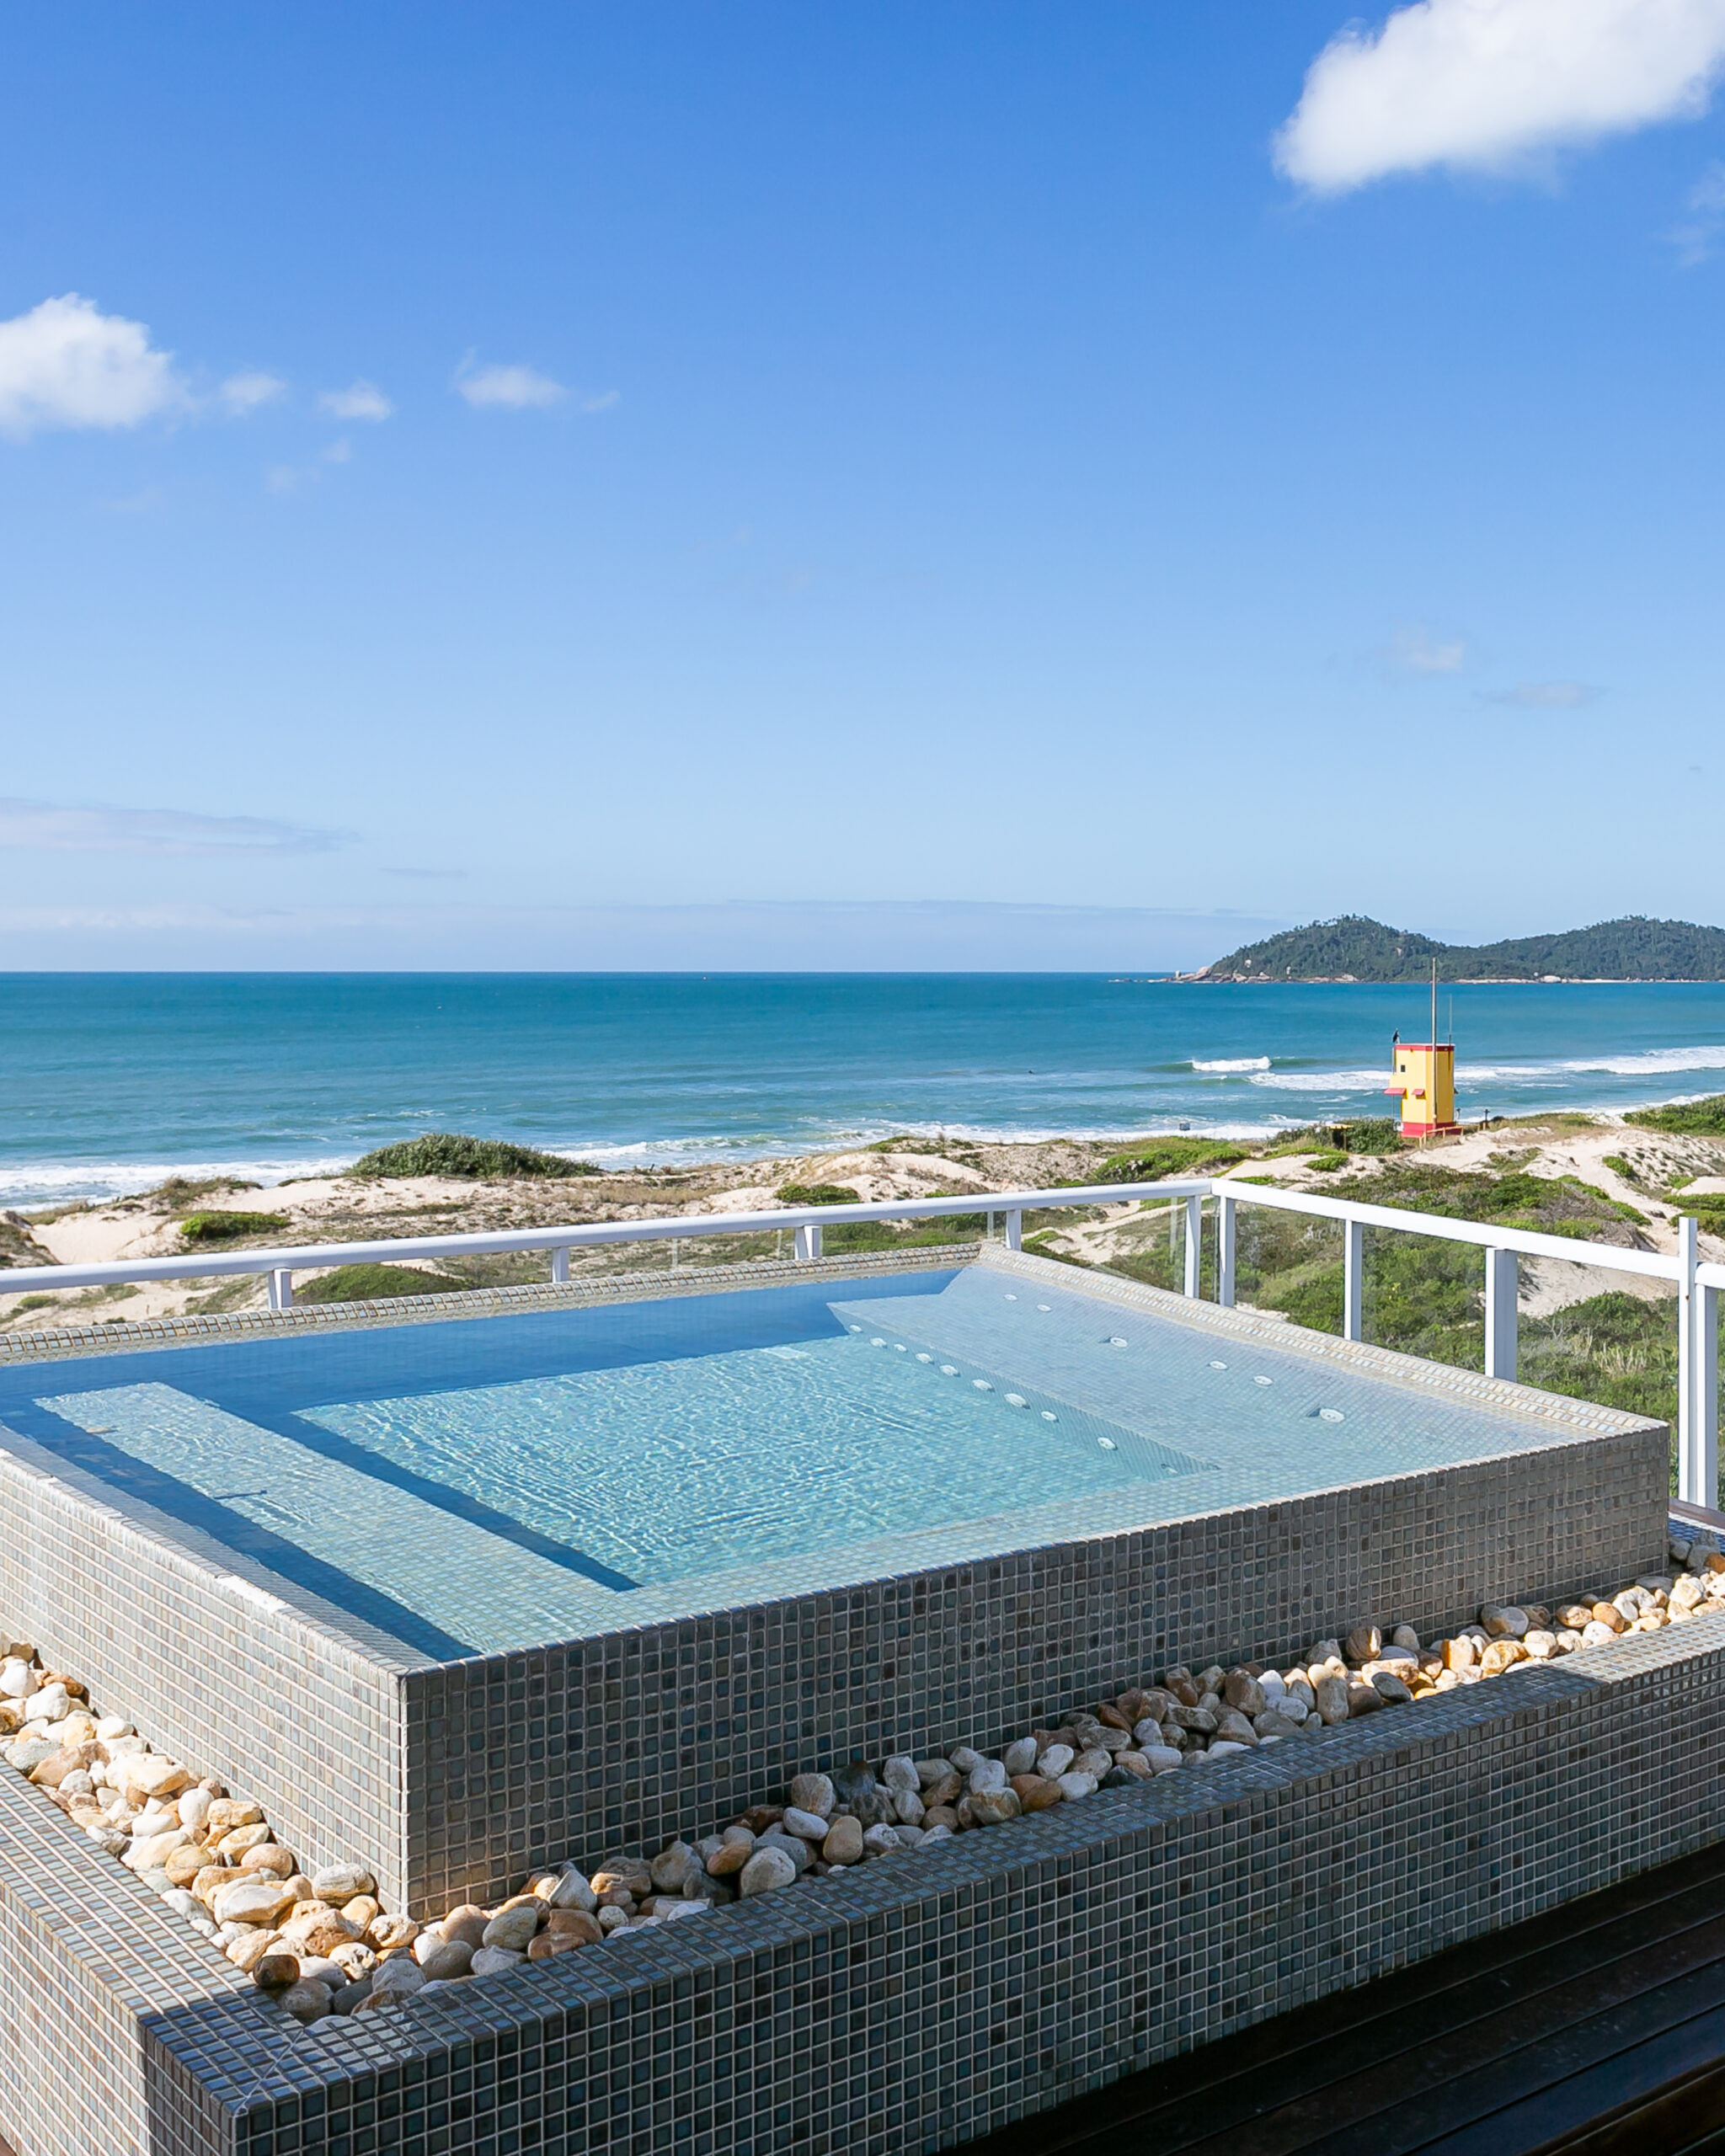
(303, 1257)
(1525, 1241)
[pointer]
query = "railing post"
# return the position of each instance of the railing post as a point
(1015, 1231)
(1502, 1301)
(1692, 1484)
(560, 1266)
(1353, 1279)
(1706, 1395)
(1194, 1245)
(281, 1290)
(808, 1242)
(1225, 1252)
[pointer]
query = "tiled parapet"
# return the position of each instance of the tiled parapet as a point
(920, 2003)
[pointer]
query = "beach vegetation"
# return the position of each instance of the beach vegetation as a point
(180, 1192)
(218, 1227)
(1704, 1119)
(816, 1193)
(371, 1283)
(1368, 1135)
(1157, 1159)
(1325, 1163)
(467, 1159)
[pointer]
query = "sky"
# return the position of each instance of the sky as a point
(989, 485)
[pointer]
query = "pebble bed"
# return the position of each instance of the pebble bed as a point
(323, 1943)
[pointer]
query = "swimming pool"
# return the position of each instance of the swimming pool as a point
(478, 1484)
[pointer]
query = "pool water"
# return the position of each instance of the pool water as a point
(472, 1483)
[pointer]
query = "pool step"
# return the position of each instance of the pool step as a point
(1596, 2029)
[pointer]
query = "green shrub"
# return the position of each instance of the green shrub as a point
(1158, 1159)
(472, 1159)
(1685, 1118)
(816, 1193)
(1325, 1163)
(229, 1227)
(371, 1283)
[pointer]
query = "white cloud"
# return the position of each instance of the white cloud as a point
(242, 394)
(1545, 696)
(1416, 651)
(515, 389)
(52, 827)
(602, 401)
(337, 452)
(1694, 239)
(65, 364)
(1489, 84)
(360, 400)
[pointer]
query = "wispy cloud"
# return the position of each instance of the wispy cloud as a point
(1545, 696)
(1694, 238)
(512, 388)
(1490, 85)
(1416, 650)
(360, 400)
(244, 393)
(429, 875)
(66, 364)
(55, 827)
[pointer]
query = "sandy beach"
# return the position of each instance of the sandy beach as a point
(1633, 1167)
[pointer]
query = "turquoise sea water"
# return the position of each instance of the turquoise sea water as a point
(109, 1081)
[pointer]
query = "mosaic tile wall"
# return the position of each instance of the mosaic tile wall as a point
(921, 2003)
(212, 1669)
(514, 1760)
(85, 1951)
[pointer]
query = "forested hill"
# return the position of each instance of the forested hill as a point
(1355, 948)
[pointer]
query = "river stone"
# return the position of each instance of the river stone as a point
(233, 1846)
(987, 1776)
(355, 1959)
(1225, 1747)
(253, 1943)
(1541, 1646)
(194, 1807)
(1244, 1693)
(273, 1969)
(947, 1789)
(900, 1772)
(153, 1850)
(513, 1928)
(1270, 1725)
(498, 1960)
(387, 1932)
(29, 1752)
(1363, 1644)
(964, 1758)
(908, 1808)
(797, 1850)
(1161, 1758)
(880, 1841)
(1390, 1689)
(1234, 1725)
(767, 1868)
(673, 1866)
(448, 1957)
(402, 1975)
(1074, 1785)
(307, 2001)
(183, 1863)
(1194, 1718)
(929, 1771)
(806, 1826)
(854, 1779)
(269, 1856)
(149, 1774)
(225, 1813)
(730, 1857)
(815, 1792)
(550, 1944)
(993, 1807)
(1035, 1792)
(1504, 1620)
(1054, 1761)
(351, 1995)
(1504, 1653)
(1331, 1694)
(340, 1883)
(1120, 1778)
(571, 1924)
(1020, 1758)
(252, 1899)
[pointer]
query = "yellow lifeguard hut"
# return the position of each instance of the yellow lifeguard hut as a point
(1425, 1080)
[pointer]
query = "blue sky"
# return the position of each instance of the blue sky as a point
(533, 485)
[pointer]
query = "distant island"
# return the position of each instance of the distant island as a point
(1354, 949)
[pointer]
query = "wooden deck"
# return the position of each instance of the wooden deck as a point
(1598, 2030)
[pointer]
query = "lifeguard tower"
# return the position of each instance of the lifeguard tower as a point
(1425, 1080)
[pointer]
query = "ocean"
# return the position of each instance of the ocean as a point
(109, 1082)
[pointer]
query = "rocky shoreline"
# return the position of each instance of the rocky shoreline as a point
(322, 1942)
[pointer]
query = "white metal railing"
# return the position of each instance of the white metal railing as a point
(1698, 1285)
